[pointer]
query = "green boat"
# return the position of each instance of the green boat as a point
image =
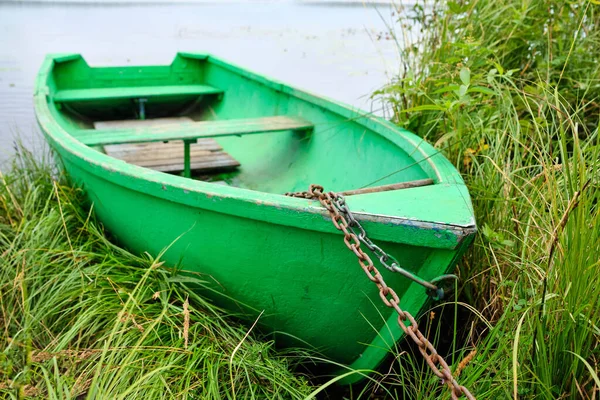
(196, 156)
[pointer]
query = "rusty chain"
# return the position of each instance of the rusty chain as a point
(435, 288)
(334, 203)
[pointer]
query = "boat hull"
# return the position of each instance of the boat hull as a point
(307, 284)
(281, 259)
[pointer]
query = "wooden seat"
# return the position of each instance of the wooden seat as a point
(137, 92)
(205, 156)
(191, 131)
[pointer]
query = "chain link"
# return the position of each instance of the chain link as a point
(344, 221)
(437, 292)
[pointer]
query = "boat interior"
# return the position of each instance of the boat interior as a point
(202, 118)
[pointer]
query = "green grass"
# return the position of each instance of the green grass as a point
(509, 91)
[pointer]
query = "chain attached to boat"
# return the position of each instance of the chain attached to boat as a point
(387, 260)
(344, 221)
(436, 288)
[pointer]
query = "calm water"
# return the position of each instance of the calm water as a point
(327, 49)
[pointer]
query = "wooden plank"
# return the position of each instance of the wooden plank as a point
(385, 188)
(156, 151)
(206, 160)
(125, 149)
(220, 161)
(73, 95)
(186, 131)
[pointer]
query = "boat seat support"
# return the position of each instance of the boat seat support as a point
(192, 131)
(187, 172)
(142, 108)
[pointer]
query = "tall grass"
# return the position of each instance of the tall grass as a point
(509, 91)
(80, 317)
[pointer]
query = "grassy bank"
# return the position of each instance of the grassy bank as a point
(80, 317)
(509, 91)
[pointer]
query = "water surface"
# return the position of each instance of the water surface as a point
(330, 50)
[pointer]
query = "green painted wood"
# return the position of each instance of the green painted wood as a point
(266, 251)
(187, 172)
(196, 130)
(76, 95)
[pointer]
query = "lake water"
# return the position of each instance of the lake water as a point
(332, 48)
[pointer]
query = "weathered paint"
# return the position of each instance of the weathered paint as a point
(265, 250)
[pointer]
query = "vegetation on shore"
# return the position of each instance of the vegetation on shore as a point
(509, 91)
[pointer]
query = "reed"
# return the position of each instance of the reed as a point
(509, 91)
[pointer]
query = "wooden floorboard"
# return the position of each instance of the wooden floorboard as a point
(205, 155)
(203, 165)
(170, 150)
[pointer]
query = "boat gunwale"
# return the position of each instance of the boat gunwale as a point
(127, 175)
